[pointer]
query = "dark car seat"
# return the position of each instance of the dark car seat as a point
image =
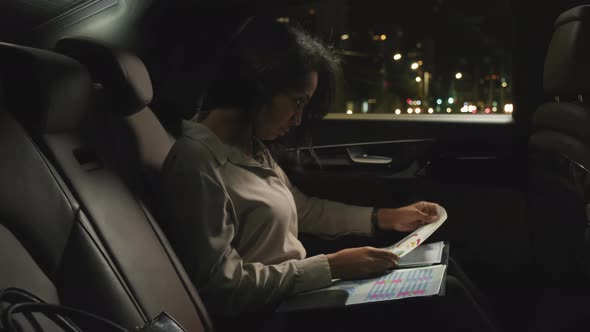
(139, 143)
(560, 148)
(54, 96)
(47, 245)
(125, 92)
(559, 177)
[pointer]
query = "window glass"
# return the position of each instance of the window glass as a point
(419, 57)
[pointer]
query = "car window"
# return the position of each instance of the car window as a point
(422, 57)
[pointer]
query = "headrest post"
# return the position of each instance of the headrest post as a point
(580, 99)
(557, 99)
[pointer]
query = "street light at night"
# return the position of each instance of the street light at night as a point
(458, 76)
(397, 56)
(414, 66)
(418, 79)
(344, 37)
(383, 37)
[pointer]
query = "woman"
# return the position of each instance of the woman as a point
(235, 216)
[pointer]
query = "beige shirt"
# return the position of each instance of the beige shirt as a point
(235, 220)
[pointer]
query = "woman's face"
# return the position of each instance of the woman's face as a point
(285, 111)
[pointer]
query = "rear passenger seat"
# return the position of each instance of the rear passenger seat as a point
(138, 275)
(46, 244)
(139, 142)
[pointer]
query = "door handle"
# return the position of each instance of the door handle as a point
(358, 155)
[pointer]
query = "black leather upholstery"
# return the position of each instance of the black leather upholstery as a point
(124, 73)
(146, 267)
(51, 92)
(563, 128)
(125, 87)
(45, 229)
(43, 238)
(566, 65)
(560, 150)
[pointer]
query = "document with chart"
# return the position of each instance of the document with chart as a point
(412, 282)
(421, 271)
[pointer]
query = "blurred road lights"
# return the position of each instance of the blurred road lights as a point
(451, 100)
(439, 101)
(414, 66)
(420, 63)
(398, 111)
(508, 108)
(344, 37)
(410, 111)
(418, 110)
(418, 79)
(449, 110)
(397, 56)
(431, 110)
(504, 84)
(383, 37)
(458, 76)
(494, 109)
(349, 112)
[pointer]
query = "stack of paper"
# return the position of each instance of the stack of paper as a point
(422, 281)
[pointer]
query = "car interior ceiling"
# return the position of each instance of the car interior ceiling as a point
(91, 101)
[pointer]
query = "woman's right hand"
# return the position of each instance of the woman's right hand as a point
(361, 263)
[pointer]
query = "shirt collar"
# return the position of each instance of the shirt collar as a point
(220, 150)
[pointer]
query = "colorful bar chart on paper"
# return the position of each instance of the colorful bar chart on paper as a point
(423, 281)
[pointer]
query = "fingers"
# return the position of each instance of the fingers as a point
(384, 258)
(427, 212)
(384, 254)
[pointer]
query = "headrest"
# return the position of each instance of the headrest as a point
(122, 75)
(47, 92)
(567, 65)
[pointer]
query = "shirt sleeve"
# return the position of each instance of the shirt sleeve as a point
(202, 229)
(325, 217)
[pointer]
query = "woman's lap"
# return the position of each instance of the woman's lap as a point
(462, 308)
(457, 310)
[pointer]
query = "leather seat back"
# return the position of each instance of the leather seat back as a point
(560, 147)
(47, 245)
(76, 143)
(138, 143)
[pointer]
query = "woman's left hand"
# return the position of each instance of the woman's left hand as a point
(407, 218)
